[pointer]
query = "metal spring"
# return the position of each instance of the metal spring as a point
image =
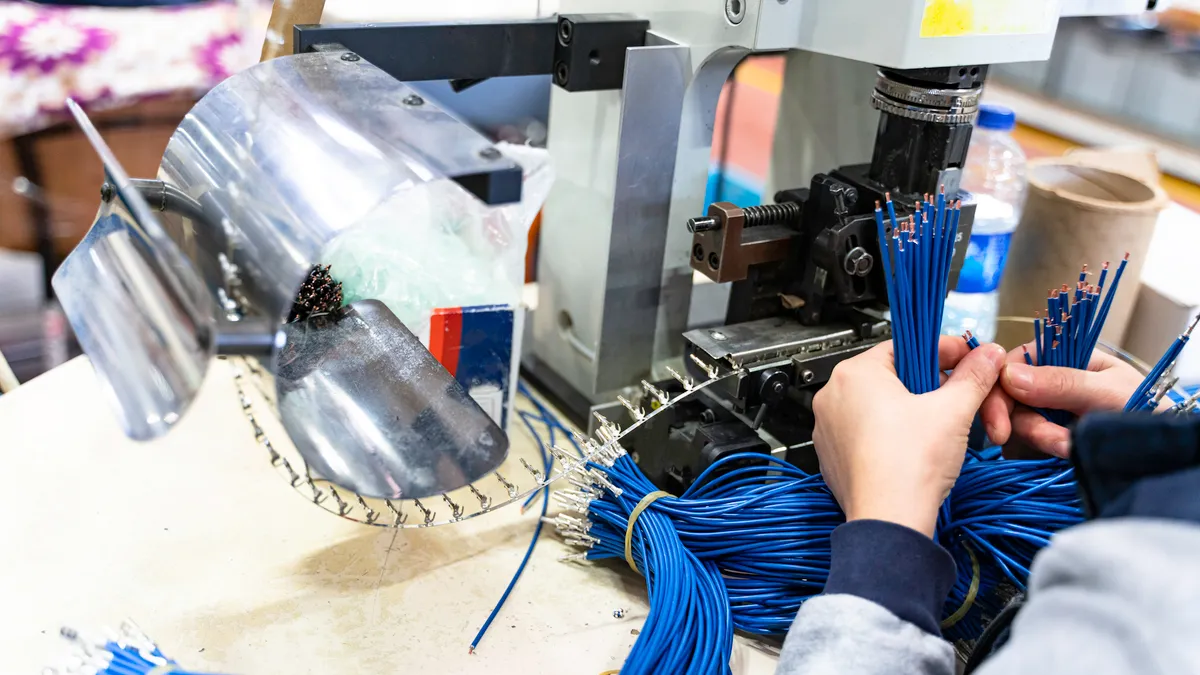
(787, 213)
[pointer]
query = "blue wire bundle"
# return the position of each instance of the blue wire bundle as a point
(1154, 387)
(689, 628)
(131, 653)
(1068, 335)
(1002, 512)
(999, 515)
(764, 523)
(916, 263)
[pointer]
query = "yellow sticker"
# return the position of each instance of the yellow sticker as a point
(954, 18)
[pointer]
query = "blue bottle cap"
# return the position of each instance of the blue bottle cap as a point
(996, 117)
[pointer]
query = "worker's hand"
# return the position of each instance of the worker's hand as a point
(1007, 413)
(890, 455)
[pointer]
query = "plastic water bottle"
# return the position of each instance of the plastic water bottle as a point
(995, 176)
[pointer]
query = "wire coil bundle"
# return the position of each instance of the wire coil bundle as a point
(750, 538)
(1005, 511)
(126, 652)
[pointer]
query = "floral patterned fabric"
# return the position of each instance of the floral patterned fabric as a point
(109, 57)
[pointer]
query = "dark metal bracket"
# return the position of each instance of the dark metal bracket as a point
(583, 52)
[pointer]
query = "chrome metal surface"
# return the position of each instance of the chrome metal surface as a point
(295, 151)
(284, 158)
(137, 307)
(916, 112)
(953, 100)
(745, 344)
(603, 238)
(370, 409)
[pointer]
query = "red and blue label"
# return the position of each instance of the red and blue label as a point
(475, 344)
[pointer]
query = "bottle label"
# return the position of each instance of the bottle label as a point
(984, 264)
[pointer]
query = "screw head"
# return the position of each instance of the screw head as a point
(718, 335)
(714, 261)
(562, 73)
(858, 262)
(351, 57)
(413, 100)
(735, 11)
(698, 252)
(807, 376)
(489, 153)
(703, 224)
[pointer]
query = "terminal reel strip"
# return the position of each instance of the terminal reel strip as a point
(519, 476)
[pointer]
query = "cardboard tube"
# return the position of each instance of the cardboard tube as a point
(1076, 213)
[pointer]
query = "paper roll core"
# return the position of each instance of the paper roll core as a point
(1077, 213)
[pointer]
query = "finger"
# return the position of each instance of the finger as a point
(882, 353)
(1102, 361)
(972, 379)
(1061, 388)
(1018, 355)
(951, 350)
(996, 413)
(1042, 434)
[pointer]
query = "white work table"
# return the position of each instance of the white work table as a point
(200, 541)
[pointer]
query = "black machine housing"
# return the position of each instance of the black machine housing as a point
(807, 291)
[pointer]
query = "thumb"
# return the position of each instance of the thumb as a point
(1059, 388)
(973, 378)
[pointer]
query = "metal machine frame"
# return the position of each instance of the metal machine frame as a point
(631, 136)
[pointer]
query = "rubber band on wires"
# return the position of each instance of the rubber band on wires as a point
(971, 593)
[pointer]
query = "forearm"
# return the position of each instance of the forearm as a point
(879, 612)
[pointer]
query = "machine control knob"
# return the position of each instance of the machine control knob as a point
(858, 262)
(773, 385)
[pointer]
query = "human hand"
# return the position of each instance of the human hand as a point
(887, 454)
(1007, 413)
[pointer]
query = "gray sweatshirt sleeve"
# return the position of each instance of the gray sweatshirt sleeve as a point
(844, 634)
(1109, 597)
